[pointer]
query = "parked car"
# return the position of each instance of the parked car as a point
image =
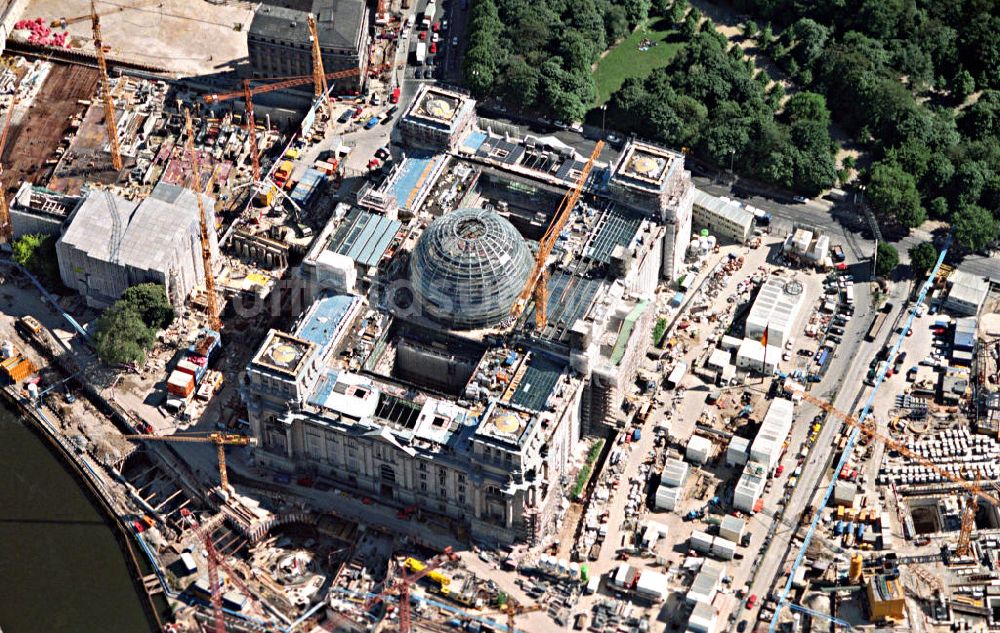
(454, 41)
(434, 48)
(751, 601)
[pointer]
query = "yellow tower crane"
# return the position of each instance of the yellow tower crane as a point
(538, 279)
(973, 488)
(221, 441)
(6, 228)
(214, 321)
(109, 104)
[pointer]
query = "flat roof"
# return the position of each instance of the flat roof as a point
(776, 305)
(283, 353)
(324, 322)
(726, 209)
(438, 107)
(337, 21)
(538, 379)
(646, 166)
(148, 232)
(364, 237)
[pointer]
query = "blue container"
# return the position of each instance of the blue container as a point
(636, 435)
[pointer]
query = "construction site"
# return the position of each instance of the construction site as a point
(428, 375)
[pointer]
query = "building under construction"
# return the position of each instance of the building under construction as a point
(440, 393)
(111, 243)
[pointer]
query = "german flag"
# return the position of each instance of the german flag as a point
(763, 339)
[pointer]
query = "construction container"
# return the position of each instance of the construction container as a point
(732, 528)
(701, 542)
(180, 384)
(186, 366)
(723, 548)
(667, 497)
(17, 368)
(699, 449)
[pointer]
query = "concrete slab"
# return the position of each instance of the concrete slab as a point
(183, 37)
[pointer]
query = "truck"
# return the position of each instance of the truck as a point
(837, 252)
(880, 318)
(421, 53)
(676, 375)
(394, 96)
(283, 172)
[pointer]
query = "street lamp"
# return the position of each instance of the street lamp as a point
(604, 110)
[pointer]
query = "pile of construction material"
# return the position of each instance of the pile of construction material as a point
(37, 32)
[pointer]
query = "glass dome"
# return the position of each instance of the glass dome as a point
(468, 268)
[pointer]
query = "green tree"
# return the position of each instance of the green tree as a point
(690, 26)
(923, 256)
(886, 260)
(120, 336)
(520, 82)
(974, 227)
(893, 192)
(982, 118)
(750, 29)
(962, 86)
(636, 11)
(150, 302)
(676, 13)
(616, 23)
(37, 253)
(766, 39)
(807, 106)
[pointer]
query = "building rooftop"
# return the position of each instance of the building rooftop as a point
(776, 305)
(438, 107)
(283, 353)
(337, 21)
(143, 234)
(536, 380)
(364, 237)
(727, 209)
(886, 587)
(968, 288)
(646, 167)
(326, 320)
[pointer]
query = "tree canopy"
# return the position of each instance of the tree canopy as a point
(923, 256)
(128, 328)
(37, 253)
(886, 260)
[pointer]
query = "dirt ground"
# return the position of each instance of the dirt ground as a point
(183, 37)
(34, 138)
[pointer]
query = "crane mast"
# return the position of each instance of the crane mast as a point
(291, 82)
(536, 285)
(402, 588)
(212, 300)
(319, 77)
(109, 104)
(6, 228)
(252, 129)
(221, 440)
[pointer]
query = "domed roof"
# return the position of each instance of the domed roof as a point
(468, 267)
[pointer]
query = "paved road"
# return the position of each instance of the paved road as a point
(780, 554)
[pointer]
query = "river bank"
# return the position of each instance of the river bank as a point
(61, 567)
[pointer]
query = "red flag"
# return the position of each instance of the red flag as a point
(763, 339)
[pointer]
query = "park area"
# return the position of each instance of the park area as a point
(650, 46)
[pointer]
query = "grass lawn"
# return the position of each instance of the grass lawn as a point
(626, 60)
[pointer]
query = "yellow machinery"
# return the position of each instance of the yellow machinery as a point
(221, 441)
(214, 322)
(109, 106)
(6, 228)
(857, 567)
(974, 489)
(537, 280)
(415, 566)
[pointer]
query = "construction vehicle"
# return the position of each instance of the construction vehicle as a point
(401, 589)
(537, 280)
(212, 300)
(290, 82)
(66, 22)
(974, 488)
(6, 228)
(414, 566)
(221, 441)
(109, 105)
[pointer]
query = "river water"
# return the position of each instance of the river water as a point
(61, 568)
